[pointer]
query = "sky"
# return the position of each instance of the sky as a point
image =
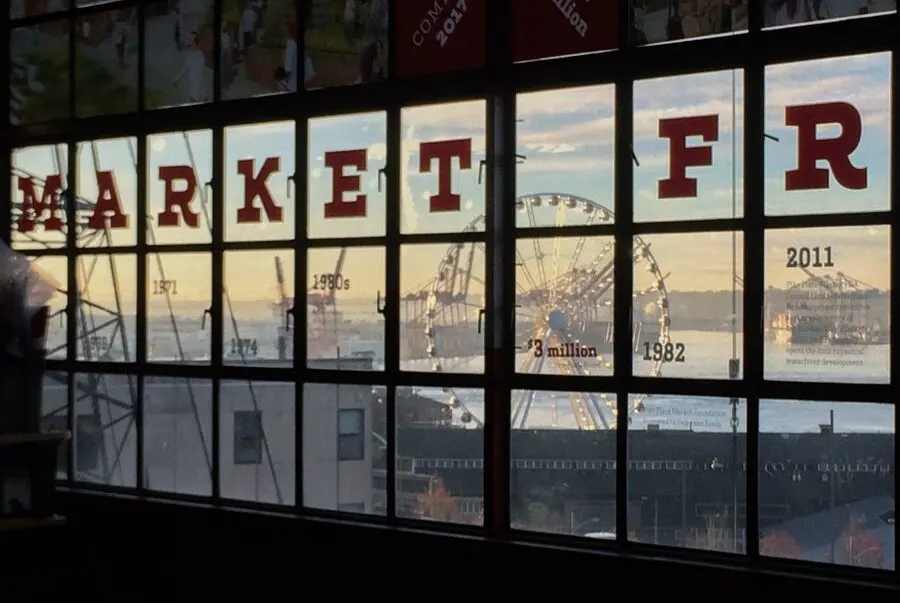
(567, 140)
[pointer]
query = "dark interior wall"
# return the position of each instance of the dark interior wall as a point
(130, 550)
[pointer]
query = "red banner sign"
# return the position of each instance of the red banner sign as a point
(551, 28)
(436, 36)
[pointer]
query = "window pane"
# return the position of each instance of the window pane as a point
(106, 320)
(344, 329)
(827, 304)
(688, 147)
(105, 436)
(686, 477)
(107, 192)
(178, 435)
(259, 166)
(571, 132)
(550, 29)
(346, 42)
(688, 301)
(443, 146)
(54, 270)
(563, 470)
(662, 21)
(444, 36)
(178, 53)
(39, 73)
(262, 38)
(779, 13)
(271, 479)
(347, 185)
(19, 9)
(828, 135)
(440, 459)
(343, 450)
(179, 294)
(55, 413)
(827, 469)
(259, 293)
(39, 177)
(564, 306)
(442, 293)
(179, 200)
(106, 63)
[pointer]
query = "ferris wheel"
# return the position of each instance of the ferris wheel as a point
(564, 319)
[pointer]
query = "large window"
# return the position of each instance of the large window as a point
(639, 298)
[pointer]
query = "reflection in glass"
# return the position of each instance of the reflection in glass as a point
(257, 441)
(259, 48)
(826, 482)
(37, 182)
(179, 202)
(106, 63)
(105, 438)
(441, 297)
(817, 106)
(440, 454)
(259, 168)
(564, 306)
(438, 139)
(688, 147)
(39, 73)
(346, 42)
(178, 435)
(55, 414)
(688, 305)
(683, 19)
(827, 304)
(686, 476)
(179, 294)
(178, 54)
(257, 303)
(571, 132)
(106, 192)
(346, 180)
(106, 320)
(343, 454)
(54, 270)
(20, 9)
(777, 13)
(563, 476)
(345, 329)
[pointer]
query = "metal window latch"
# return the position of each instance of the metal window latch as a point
(382, 173)
(480, 318)
(380, 304)
(207, 312)
(287, 185)
(288, 318)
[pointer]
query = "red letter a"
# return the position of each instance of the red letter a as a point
(681, 156)
(836, 151)
(108, 206)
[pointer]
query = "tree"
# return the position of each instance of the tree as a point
(436, 504)
(780, 544)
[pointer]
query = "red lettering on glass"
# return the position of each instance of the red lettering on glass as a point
(178, 198)
(33, 208)
(681, 156)
(108, 210)
(342, 183)
(256, 186)
(444, 151)
(836, 151)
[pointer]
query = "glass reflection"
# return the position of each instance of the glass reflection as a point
(777, 13)
(688, 305)
(257, 303)
(343, 454)
(563, 477)
(826, 482)
(434, 484)
(39, 177)
(686, 474)
(107, 305)
(179, 294)
(345, 329)
(827, 304)
(441, 296)
(105, 439)
(55, 414)
(54, 269)
(656, 21)
(39, 73)
(106, 65)
(257, 441)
